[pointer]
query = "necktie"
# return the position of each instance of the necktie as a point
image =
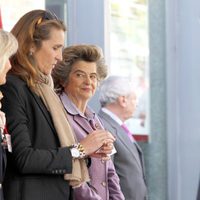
(130, 135)
(128, 132)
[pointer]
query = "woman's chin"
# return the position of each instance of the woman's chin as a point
(2, 81)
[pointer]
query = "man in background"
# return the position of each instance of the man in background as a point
(118, 101)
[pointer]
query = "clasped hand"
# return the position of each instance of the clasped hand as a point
(98, 144)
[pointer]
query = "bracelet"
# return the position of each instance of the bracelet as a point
(80, 148)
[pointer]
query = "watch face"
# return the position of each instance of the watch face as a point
(75, 152)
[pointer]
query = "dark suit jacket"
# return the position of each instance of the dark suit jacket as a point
(2, 167)
(130, 169)
(36, 165)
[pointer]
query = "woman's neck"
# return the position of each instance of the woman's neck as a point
(79, 103)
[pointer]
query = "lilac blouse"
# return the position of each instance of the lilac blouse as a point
(104, 181)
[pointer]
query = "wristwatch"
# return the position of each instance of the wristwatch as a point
(77, 151)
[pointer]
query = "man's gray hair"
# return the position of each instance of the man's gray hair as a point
(113, 87)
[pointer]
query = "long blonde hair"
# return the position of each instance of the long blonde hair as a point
(8, 46)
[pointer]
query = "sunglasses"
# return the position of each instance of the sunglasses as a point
(48, 15)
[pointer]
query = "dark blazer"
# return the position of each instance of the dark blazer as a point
(129, 168)
(2, 167)
(36, 165)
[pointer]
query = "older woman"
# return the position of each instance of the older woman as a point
(8, 46)
(76, 79)
(46, 160)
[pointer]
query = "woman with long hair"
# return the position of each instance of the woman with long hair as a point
(46, 161)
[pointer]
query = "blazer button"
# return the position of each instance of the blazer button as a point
(103, 183)
(97, 126)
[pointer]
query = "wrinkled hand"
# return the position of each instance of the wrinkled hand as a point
(106, 148)
(105, 151)
(99, 143)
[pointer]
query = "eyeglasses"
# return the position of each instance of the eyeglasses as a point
(85, 76)
(48, 15)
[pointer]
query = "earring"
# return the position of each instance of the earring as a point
(30, 53)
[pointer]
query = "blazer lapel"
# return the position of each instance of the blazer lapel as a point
(133, 148)
(122, 136)
(129, 145)
(83, 124)
(141, 157)
(43, 108)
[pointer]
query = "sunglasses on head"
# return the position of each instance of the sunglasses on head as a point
(48, 15)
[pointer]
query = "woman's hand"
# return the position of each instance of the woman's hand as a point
(106, 148)
(99, 143)
(105, 151)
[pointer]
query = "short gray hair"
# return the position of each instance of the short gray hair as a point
(114, 87)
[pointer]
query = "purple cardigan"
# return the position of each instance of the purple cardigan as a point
(104, 182)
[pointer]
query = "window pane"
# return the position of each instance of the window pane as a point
(130, 52)
(11, 10)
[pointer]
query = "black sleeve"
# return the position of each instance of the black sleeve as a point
(34, 147)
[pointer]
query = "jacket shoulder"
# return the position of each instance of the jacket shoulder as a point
(13, 83)
(15, 80)
(108, 123)
(14, 88)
